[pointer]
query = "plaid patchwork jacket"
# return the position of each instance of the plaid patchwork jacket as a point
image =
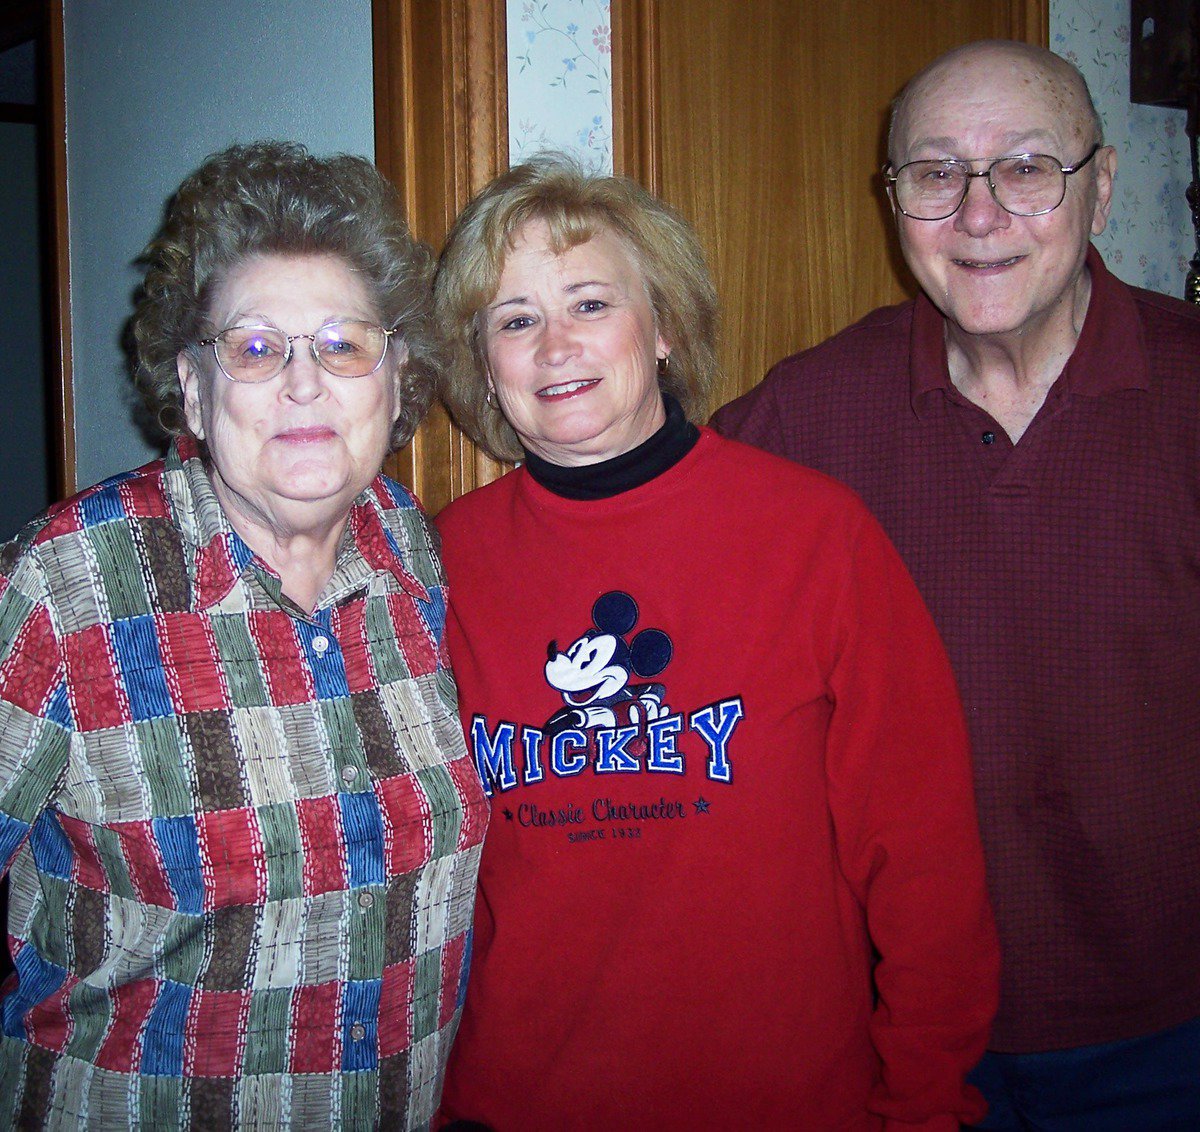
(243, 841)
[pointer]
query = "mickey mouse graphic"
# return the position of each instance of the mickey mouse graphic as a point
(593, 674)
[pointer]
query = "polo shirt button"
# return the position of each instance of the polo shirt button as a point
(320, 645)
(349, 773)
(988, 437)
(357, 1032)
(365, 900)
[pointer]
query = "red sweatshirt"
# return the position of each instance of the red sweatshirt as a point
(733, 877)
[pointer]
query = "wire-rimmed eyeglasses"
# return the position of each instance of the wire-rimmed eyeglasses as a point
(1024, 184)
(344, 348)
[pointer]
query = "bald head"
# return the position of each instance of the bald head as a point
(1032, 72)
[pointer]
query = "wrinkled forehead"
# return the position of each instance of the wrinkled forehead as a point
(1000, 99)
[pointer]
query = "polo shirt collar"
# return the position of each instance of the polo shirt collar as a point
(1110, 354)
(217, 557)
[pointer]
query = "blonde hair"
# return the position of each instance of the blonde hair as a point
(575, 206)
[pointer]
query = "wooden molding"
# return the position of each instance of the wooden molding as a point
(441, 133)
(1029, 20)
(637, 150)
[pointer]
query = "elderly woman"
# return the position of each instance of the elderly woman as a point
(242, 828)
(733, 878)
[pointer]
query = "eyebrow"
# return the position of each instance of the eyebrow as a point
(571, 288)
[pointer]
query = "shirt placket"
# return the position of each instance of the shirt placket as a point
(363, 833)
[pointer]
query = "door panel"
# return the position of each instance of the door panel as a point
(764, 122)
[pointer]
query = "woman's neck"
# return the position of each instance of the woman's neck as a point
(673, 440)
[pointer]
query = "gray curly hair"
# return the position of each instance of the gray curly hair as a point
(275, 198)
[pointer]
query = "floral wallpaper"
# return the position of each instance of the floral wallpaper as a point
(1149, 239)
(559, 79)
(560, 97)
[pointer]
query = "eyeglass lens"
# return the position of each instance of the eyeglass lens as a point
(259, 353)
(1025, 186)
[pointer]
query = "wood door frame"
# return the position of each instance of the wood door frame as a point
(441, 134)
(637, 150)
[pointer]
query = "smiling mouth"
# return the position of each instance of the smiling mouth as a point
(566, 388)
(988, 263)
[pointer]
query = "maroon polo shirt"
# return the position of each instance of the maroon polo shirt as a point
(1064, 575)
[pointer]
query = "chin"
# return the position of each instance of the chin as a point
(314, 485)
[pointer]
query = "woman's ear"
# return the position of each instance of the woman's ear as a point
(189, 382)
(401, 360)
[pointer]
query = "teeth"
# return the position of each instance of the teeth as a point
(566, 387)
(987, 263)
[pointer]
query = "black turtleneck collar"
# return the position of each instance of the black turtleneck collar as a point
(631, 469)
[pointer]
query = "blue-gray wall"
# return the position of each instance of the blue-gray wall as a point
(153, 86)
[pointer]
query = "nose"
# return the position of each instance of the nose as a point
(980, 213)
(558, 342)
(303, 379)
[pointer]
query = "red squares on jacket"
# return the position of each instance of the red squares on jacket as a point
(140, 849)
(406, 822)
(474, 819)
(284, 666)
(320, 822)
(412, 634)
(191, 663)
(31, 670)
(97, 693)
(86, 868)
(395, 1006)
(349, 627)
(132, 1003)
(48, 1023)
(231, 847)
(142, 499)
(214, 1033)
(316, 1047)
(452, 955)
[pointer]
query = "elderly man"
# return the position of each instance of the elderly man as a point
(1028, 431)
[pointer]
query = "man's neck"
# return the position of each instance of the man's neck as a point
(1009, 375)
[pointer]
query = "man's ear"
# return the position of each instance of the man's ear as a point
(1106, 172)
(190, 379)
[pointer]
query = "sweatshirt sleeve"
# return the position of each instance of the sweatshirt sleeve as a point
(903, 809)
(35, 717)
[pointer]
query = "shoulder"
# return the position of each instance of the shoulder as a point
(882, 326)
(122, 499)
(1167, 320)
(870, 352)
(874, 337)
(480, 506)
(1169, 339)
(750, 488)
(408, 526)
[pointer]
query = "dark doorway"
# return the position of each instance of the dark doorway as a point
(27, 466)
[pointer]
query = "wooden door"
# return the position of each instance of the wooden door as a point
(762, 121)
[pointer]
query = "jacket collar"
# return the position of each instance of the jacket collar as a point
(1110, 354)
(217, 558)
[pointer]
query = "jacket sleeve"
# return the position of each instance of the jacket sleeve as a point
(35, 716)
(903, 808)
